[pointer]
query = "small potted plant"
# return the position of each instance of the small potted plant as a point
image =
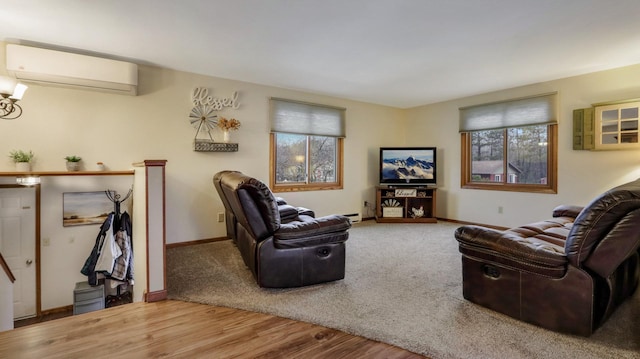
(22, 159)
(226, 126)
(73, 163)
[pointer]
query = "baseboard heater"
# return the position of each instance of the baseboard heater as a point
(354, 217)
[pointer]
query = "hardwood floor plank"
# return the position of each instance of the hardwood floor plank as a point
(174, 329)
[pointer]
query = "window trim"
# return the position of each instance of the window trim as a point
(552, 168)
(305, 186)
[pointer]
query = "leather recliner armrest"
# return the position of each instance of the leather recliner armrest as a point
(290, 213)
(567, 211)
(287, 212)
(306, 212)
(309, 231)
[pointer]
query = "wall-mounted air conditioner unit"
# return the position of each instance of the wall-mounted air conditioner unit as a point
(50, 67)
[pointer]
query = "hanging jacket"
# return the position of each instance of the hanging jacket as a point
(89, 266)
(125, 224)
(122, 262)
(108, 252)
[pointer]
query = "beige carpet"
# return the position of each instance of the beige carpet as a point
(402, 287)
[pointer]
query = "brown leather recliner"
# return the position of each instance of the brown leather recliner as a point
(568, 273)
(287, 211)
(284, 246)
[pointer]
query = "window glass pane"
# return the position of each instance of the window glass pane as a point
(609, 139)
(610, 127)
(627, 113)
(518, 159)
(291, 154)
(323, 162)
(527, 155)
(487, 149)
(629, 137)
(629, 125)
(609, 115)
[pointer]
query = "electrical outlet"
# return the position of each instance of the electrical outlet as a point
(46, 242)
(221, 217)
(366, 204)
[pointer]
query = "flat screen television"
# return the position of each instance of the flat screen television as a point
(408, 166)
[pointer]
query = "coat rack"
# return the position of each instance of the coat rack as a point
(126, 297)
(115, 198)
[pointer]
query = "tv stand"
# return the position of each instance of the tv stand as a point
(405, 204)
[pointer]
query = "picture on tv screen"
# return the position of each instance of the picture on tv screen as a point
(411, 165)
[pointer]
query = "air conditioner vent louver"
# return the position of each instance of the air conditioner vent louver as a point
(50, 67)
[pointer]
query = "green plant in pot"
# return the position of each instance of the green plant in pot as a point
(22, 159)
(73, 163)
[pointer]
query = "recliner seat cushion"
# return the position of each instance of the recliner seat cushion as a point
(538, 242)
(536, 247)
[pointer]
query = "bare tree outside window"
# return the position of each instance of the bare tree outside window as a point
(291, 154)
(526, 155)
(323, 159)
(305, 159)
(487, 148)
(511, 145)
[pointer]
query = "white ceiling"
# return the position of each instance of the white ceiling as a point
(401, 53)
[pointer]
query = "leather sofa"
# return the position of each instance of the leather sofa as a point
(283, 246)
(568, 273)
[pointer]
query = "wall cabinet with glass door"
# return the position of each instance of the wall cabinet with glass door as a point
(611, 126)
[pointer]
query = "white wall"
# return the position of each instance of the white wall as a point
(581, 174)
(120, 130)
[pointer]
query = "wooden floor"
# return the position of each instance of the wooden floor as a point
(174, 329)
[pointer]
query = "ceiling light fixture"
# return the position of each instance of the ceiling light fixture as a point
(10, 92)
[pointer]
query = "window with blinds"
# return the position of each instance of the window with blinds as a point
(510, 145)
(306, 145)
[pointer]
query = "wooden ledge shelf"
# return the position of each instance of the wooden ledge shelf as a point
(67, 173)
(210, 146)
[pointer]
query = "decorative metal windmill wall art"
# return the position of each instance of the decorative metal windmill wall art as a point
(203, 118)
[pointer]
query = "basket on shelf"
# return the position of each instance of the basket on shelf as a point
(202, 145)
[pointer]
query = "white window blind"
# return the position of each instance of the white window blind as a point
(535, 110)
(303, 118)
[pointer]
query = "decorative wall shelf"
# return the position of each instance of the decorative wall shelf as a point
(209, 146)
